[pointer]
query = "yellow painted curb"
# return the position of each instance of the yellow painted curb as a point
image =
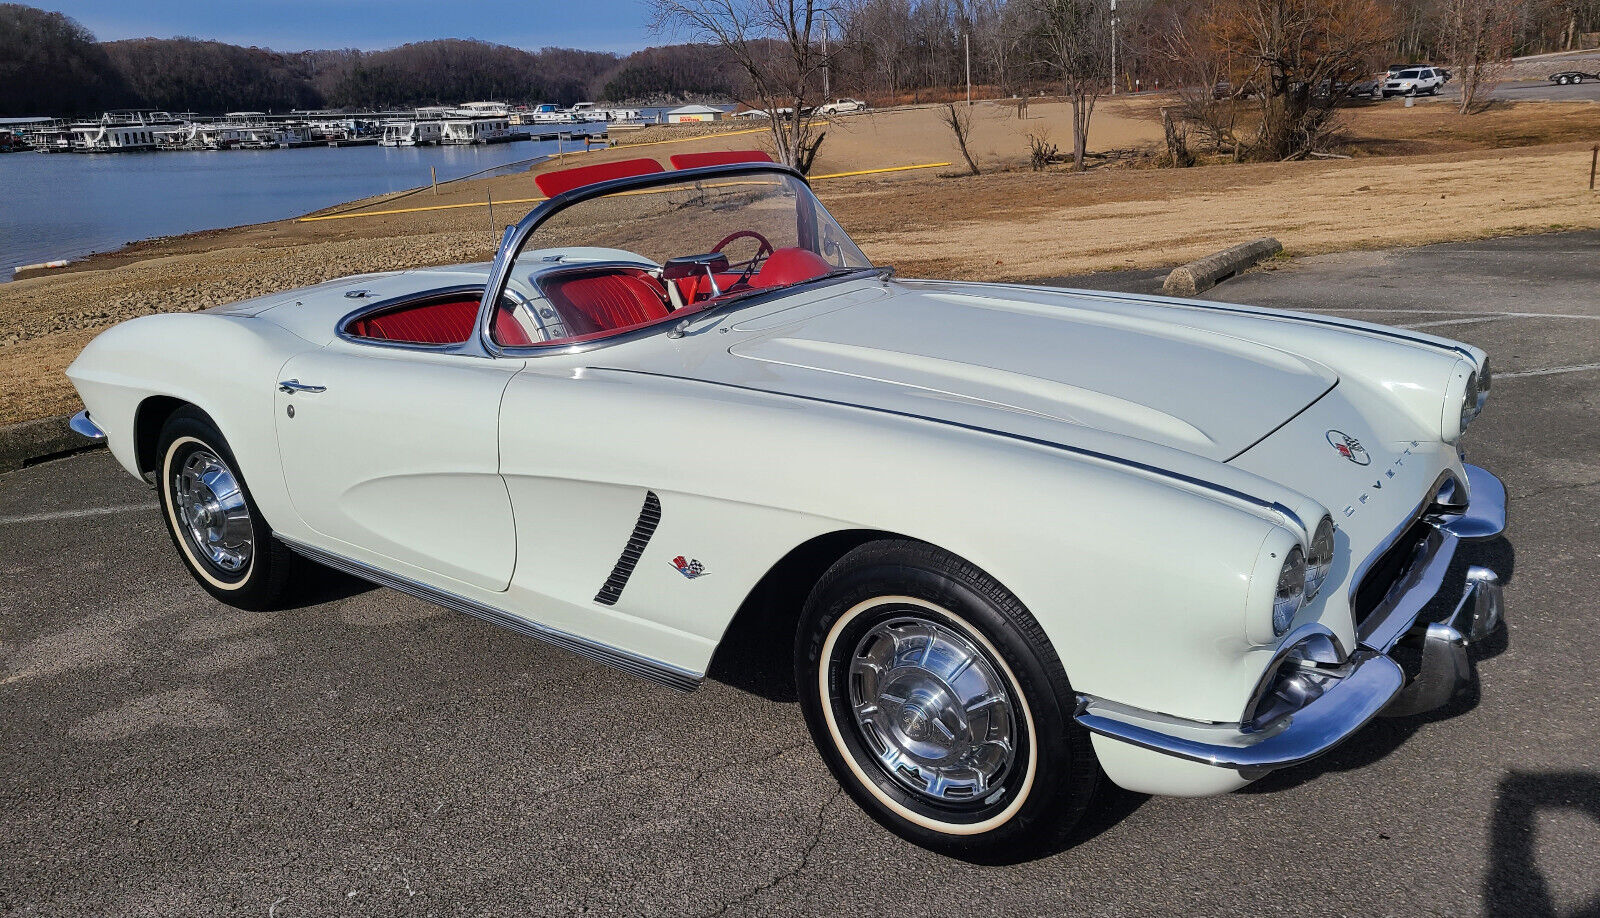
(413, 210)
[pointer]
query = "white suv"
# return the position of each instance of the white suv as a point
(1414, 81)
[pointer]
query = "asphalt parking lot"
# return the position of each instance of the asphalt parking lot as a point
(371, 754)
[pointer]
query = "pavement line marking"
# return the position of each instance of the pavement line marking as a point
(1457, 312)
(1548, 371)
(69, 514)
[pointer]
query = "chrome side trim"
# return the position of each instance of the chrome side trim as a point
(1153, 470)
(83, 427)
(1314, 729)
(645, 667)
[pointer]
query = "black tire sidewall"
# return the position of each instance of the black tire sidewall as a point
(1063, 769)
(184, 432)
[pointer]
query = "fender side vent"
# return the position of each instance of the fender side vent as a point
(649, 519)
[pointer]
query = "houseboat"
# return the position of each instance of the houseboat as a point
(122, 131)
(491, 129)
(412, 133)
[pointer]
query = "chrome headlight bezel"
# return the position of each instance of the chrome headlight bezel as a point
(1464, 397)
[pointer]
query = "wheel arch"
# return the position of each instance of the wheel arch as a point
(756, 649)
(149, 418)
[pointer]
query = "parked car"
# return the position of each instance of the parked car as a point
(1017, 537)
(1371, 87)
(1414, 81)
(1574, 76)
(841, 107)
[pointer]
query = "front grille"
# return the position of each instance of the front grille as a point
(1388, 570)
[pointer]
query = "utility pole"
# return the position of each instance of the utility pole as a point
(966, 45)
(1113, 47)
(827, 92)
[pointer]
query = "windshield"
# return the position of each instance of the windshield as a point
(640, 256)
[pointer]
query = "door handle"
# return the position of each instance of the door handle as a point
(291, 386)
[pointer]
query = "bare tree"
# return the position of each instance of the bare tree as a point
(772, 42)
(1476, 37)
(958, 118)
(1296, 56)
(1075, 44)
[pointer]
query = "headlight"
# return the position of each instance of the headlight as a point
(1469, 400)
(1320, 558)
(1291, 593)
(1484, 378)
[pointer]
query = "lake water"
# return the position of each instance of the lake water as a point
(64, 205)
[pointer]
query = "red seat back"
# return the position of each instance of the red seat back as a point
(721, 158)
(554, 183)
(616, 300)
(790, 266)
(443, 322)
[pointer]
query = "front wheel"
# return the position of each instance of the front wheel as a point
(1578, 79)
(938, 704)
(212, 519)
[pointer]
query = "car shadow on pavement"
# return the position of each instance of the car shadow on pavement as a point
(318, 584)
(1514, 884)
(1384, 735)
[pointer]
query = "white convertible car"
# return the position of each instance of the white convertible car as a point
(1020, 538)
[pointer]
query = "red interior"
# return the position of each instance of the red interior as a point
(723, 158)
(790, 266)
(554, 183)
(443, 321)
(608, 301)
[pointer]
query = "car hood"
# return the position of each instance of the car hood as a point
(1028, 367)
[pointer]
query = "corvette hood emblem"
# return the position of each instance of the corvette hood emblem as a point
(1349, 447)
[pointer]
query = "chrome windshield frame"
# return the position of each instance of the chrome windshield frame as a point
(515, 237)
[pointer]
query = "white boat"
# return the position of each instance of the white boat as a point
(548, 113)
(412, 133)
(487, 129)
(122, 131)
(479, 109)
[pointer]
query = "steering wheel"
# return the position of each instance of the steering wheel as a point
(762, 251)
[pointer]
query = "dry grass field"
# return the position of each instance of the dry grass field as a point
(1418, 175)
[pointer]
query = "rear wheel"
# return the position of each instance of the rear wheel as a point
(1578, 78)
(937, 702)
(1562, 80)
(212, 519)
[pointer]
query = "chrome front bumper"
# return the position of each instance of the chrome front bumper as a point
(1366, 682)
(83, 427)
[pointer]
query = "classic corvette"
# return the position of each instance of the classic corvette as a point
(1022, 539)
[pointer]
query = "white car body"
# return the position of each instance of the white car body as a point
(841, 107)
(1414, 81)
(1132, 468)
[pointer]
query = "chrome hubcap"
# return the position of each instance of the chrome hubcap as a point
(932, 709)
(212, 509)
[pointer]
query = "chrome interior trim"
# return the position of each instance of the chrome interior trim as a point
(83, 427)
(646, 667)
(1373, 680)
(1251, 499)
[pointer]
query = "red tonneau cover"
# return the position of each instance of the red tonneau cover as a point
(724, 158)
(554, 183)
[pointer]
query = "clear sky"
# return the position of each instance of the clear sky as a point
(298, 25)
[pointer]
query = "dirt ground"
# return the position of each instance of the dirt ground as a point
(1452, 179)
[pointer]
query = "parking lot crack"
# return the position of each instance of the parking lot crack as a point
(796, 870)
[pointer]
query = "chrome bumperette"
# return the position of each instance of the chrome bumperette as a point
(646, 667)
(1312, 696)
(83, 427)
